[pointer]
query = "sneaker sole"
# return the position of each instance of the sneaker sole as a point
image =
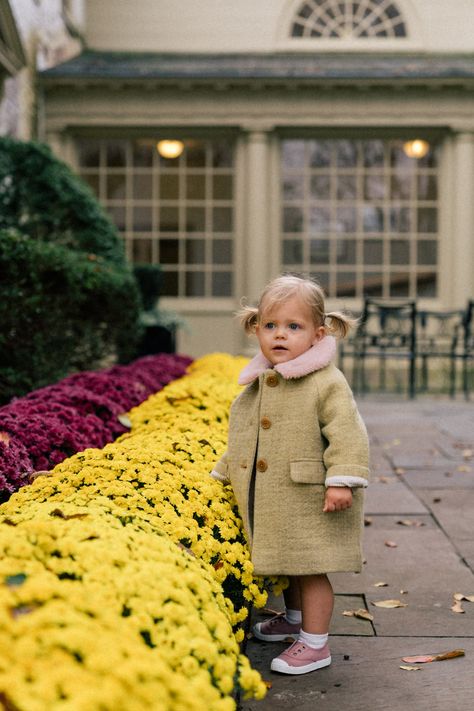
(279, 665)
(274, 637)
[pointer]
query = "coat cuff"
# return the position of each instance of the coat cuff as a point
(351, 481)
(219, 477)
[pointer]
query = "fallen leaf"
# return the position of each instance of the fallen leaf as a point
(389, 604)
(424, 658)
(400, 470)
(409, 668)
(436, 500)
(463, 468)
(460, 596)
(468, 453)
(391, 544)
(386, 479)
(361, 613)
(403, 592)
(380, 585)
(367, 521)
(457, 607)
(410, 522)
(124, 420)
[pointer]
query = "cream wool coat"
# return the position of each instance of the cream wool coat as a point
(293, 427)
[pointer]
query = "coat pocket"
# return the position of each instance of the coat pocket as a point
(308, 471)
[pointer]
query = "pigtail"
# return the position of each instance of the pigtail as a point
(339, 324)
(248, 317)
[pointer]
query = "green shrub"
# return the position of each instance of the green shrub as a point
(68, 299)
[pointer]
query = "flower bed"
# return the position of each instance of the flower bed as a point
(84, 410)
(133, 546)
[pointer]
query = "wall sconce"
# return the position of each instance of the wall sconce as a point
(417, 148)
(170, 149)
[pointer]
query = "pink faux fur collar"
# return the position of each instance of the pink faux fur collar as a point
(317, 357)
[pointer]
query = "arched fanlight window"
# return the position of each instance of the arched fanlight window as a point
(349, 19)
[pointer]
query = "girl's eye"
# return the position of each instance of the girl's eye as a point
(270, 325)
(294, 326)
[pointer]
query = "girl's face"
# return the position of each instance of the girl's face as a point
(287, 330)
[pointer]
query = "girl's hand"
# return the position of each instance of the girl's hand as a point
(337, 498)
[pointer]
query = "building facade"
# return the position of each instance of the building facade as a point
(232, 141)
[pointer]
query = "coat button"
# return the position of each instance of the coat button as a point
(262, 466)
(272, 380)
(266, 423)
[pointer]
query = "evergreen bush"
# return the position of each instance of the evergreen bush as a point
(68, 299)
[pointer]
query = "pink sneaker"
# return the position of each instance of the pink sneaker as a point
(301, 659)
(276, 629)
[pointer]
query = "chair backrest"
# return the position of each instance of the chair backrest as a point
(439, 330)
(389, 324)
(469, 326)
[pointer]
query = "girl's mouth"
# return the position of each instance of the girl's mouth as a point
(279, 348)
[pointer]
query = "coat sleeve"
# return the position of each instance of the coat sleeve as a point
(220, 471)
(346, 455)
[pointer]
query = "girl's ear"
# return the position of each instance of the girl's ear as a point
(319, 335)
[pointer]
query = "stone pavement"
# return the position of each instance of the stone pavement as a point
(422, 475)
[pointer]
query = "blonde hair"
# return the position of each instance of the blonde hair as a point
(284, 287)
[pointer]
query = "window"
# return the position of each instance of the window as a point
(344, 19)
(360, 216)
(177, 212)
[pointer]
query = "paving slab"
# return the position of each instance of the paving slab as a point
(365, 675)
(389, 495)
(457, 476)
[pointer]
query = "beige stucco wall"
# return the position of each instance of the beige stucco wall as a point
(250, 26)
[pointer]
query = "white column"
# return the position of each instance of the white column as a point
(462, 237)
(257, 234)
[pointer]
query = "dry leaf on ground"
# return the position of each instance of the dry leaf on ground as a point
(424, 658)
(380, 585)
(409, 668)
(460, 596)
(390, 544)
(411, 522)
(367, 521)
(362, 613)
(457, 607)
(463, 468)
(389, 604)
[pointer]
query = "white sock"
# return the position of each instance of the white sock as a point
(293, 616)
(317, 641)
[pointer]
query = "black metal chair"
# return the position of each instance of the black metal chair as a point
(468, 347)
(439, 339)
(387, 332)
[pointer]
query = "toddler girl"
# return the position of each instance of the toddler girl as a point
(297, 461)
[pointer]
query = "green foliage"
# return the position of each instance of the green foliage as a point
(68, 299)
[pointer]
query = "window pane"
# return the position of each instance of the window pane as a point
(115, 154)
(374, 186)
(93, 181)
(115, 186)
(401, 187)
(222, 284)
(292, 219)
(427, 219)
(373, 251)
(346, 154)
(293, 187)
(222, 154)
(195, 284)
(322, 278)
(373, 219)
(142, 186)
(169, 186)
(169, 251)
(89, 153)
(399, 251)
(195, 219)
(319, 251)
(400, 219)
(346, 284)
(399, 284)
(292, 251)
(170, 284)
(320, 187)
(427, 187)
(142, 251)
(196, 187)
(143, 151)
(319, 220)
(222, 219)
(346, 251)
(319, 153)
(346, 219)
(169, 219)
(117, 213)
(222, 251)
(346, 187)
(223, 187)
(142, 219)
(373, 153)
(426, 284)
(293, 154)
(373, 284)
(195, 251)
(427, 252)
(195, 154)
